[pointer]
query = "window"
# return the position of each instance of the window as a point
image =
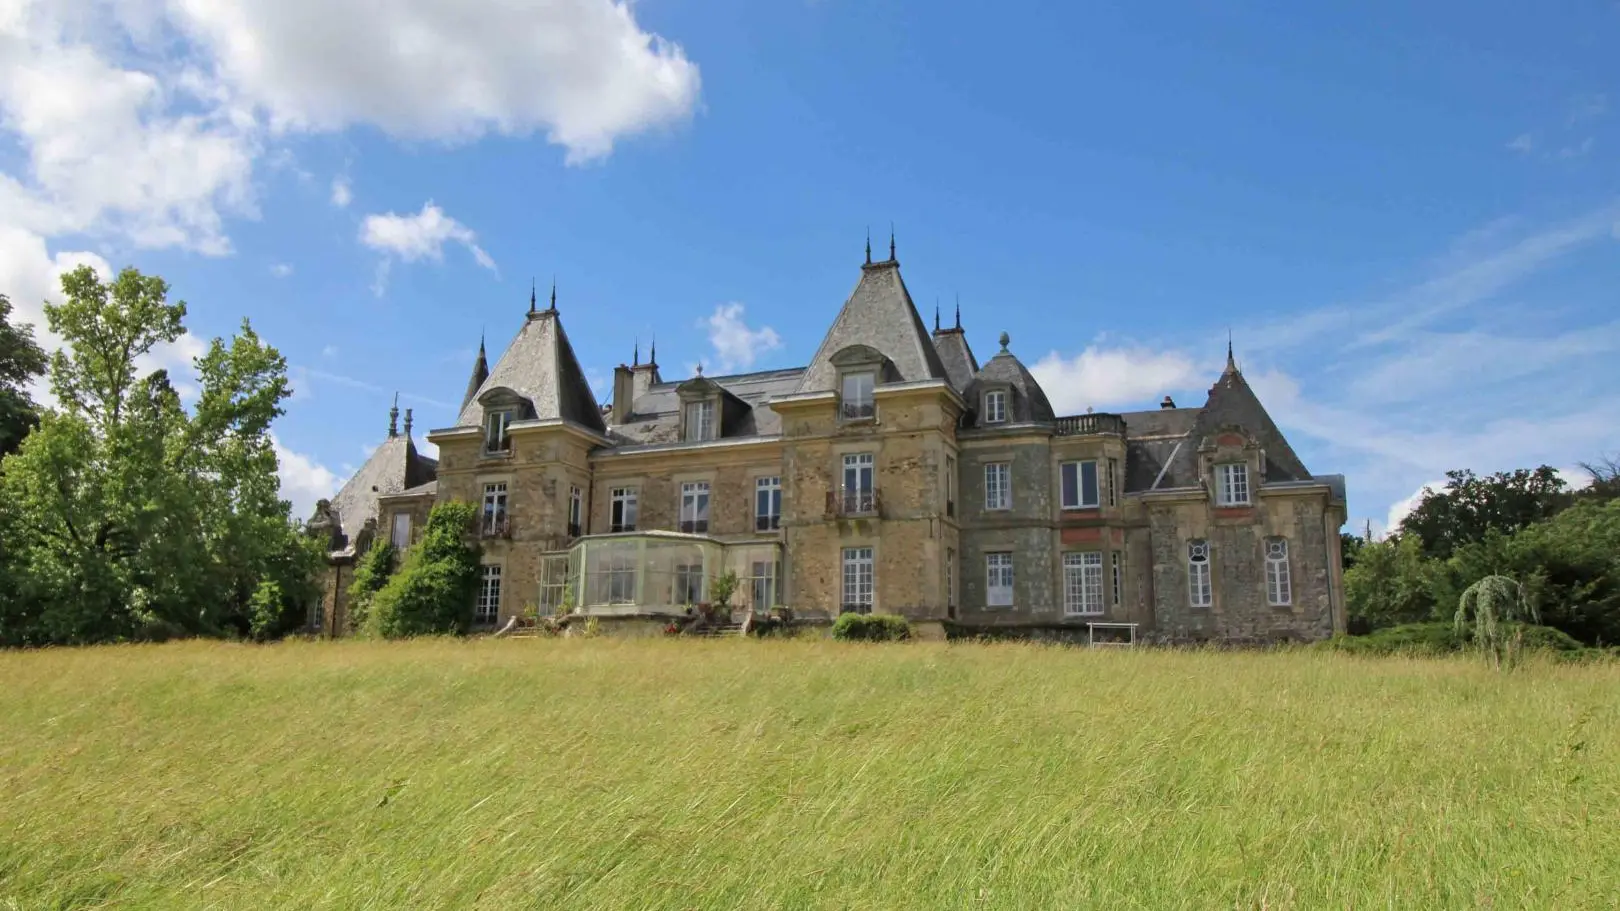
(858, 580)
(995, 406)
(1113, 482)
(553, 583)
(762, 584)
(689, 583)
(998, 580)
(1082, 583)
(495, 508)
(699, 421)
(950, 486)
(623, 516)
(621, 576)
(1279, 587)
(489, 595)
(1232, 484)
(998, 485)
(576, 512)
(858, 496)
(950, 583)
(1199, 592)
(496, 437)
(400, 537)
(767, 504)
(695, 507)
(857, 399)
(1079, 484)
(1119, 576)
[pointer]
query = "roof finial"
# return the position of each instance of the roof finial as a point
(652, 353)
(1005, 338)
(868, 245)
(936, 313)
(1231, 363)
(959, 311)
(531, 295)
(407, 422)
(393, 418)
(700, 368)
(891, 242)
(480, 341)
(554, 294)
(636, 360)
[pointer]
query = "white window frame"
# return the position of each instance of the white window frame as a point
(1113, 481)
(695, 507)
(488, 608)
(998, 579)
(762, 584)
(950, 581)
(1279, 581)
(1232, 484)
(995, 406)
(399, 532)
(857, 399)
(768, 493)
(576, 508)
(860, 580)
(623, 513)
(495, 514)
(997, 486)
(498, 431)
(1074, 497)
(1082, 583)
(1200, 581)
(860, 497)
(950, 486)
(1118, 561)
(700, 421)
(553, 582)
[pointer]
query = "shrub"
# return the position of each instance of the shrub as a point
(433, 591)
(1439, 638)
(871, 628)
(370, 575)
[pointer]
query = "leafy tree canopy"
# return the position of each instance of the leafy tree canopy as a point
(1470, 506)
(21, 361)
(433, 592)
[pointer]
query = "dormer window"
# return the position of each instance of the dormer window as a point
(1232, 484)
(497, 439)
(995, 406)
(857, 401)
(700, 421)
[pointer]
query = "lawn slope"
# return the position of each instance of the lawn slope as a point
(738, 774)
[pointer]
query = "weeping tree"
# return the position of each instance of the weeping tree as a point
(1495, 605)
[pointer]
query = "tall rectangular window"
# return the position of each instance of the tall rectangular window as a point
(995, 406)
(576, 512)
(1082, 583)
(496, 437)
(1200, 591)
(1279, 586)
(950, 486)
(1232, 484)
(1079, 482)
(623, 514)
(488, 608)
(695, 507)
(857, 400)
(998, 485)
(950, 583)
(689, 583)
(1113, 482)
(762, 583)
(400, 535)
(621, 575)
(858, 494)
(1119, 576)
(699, 421)
(495, 508)
(767, 504)
(553, 583)
(998, 580)
(858, 580)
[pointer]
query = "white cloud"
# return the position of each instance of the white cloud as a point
(1578, 150)
(1524, 144)
(413, 237)
(303, 480)
(736, 346)
(1403, 508)
(281, 270)
(1103, 377)
(329, 351)
(342, 195)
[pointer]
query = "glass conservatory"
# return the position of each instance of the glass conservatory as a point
(657, 573)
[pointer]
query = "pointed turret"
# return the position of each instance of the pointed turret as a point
(480, 373)
(1232, 403)
(394, 466)
(1026, 401)
(541, 371)
(954, 351)
(393, 418)
(879, 314)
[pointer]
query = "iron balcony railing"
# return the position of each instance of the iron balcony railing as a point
(498, 526)
(857, 411)
(853, 501)
(1099, 422)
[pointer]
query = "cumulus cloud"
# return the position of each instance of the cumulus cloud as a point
(342, 195)
(1100, 377)
(1400, 509)
(281, 270)
(736, 345)
(303, 480)
(409, 238)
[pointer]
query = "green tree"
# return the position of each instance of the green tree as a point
(433, 591)
(129, 517)
(21, 362)
(1605, 483)
(1493, 605)
(1470, 506)
(1392, 582)
(371, 573)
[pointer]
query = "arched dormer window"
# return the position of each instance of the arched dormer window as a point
(861, 368)
(700, 409)
(502, 407)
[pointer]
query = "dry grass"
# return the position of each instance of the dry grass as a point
(731, 774)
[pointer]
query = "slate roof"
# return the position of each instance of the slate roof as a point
(394, 466)
(880, 314)
(954, 353)
(1231, 401)
(480, 373)
(656, 414)
(541, 368)
(1027, 401)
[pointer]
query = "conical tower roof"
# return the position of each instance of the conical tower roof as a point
(539, 367)
(480, 373)
(879, 314)
(1028, 402)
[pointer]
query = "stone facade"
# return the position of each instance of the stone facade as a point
(910, 479)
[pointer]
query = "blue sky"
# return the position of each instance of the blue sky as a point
(1407, 215)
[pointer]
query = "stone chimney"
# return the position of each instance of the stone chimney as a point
(624, 393)
(1167, 403)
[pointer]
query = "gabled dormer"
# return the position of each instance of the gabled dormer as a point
(709, 411)
(502, 407)
(858, 370)
(1230, 465)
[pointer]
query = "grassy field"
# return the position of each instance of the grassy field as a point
(736, 774)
